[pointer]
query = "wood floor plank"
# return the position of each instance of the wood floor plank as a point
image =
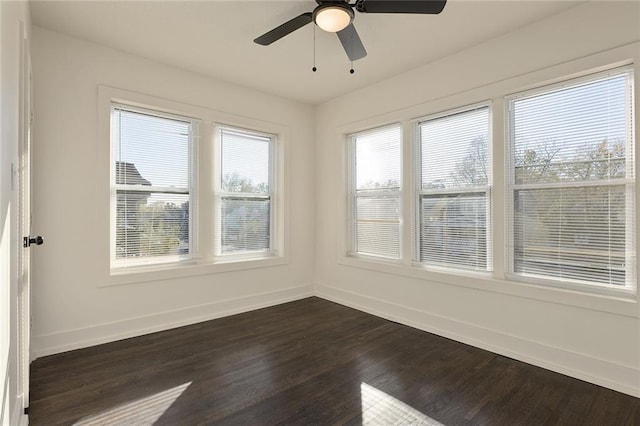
(309, 362)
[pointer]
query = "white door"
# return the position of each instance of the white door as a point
(24, 218)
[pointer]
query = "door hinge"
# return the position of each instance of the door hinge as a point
(26, 411)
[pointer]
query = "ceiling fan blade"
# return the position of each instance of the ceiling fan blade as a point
(287, 28)
(351, 43)
(401, 6)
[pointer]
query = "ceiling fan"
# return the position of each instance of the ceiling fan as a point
(336, 16)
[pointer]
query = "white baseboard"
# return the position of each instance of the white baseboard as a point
(600, 372)
(103, 333)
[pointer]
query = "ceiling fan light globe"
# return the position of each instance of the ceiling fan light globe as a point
(333, 18)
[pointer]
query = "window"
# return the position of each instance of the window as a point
(375, 192)
(186, 195)
(533, 186)
(453, 190)
(246, 192)
(572, 181)
(151, 196)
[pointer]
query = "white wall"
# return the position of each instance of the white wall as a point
(11, 16)
(71, 305)
(593, 338)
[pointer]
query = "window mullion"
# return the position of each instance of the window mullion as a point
(151, 189)
(498, 223)
(459, 191)
(573, 184)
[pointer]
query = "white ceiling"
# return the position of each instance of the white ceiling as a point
(215, 38)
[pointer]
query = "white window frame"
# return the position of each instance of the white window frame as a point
(500, 280)
(271, 195)
(629, 183)
(353, 195)
(190, 190)
(203, 260)
(417, 182)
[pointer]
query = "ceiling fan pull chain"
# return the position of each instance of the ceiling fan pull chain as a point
(314, 69)
(351, 71)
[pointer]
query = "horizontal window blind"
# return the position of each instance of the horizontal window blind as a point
(376, 192)
(245, 201)
(572, 179)
(454, 201)
(151, 185)
(378, 225)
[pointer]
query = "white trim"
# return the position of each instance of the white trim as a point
(485, 189)
(150, 188)
(414, 195)
(202, 257)
(619, 377)
(351, 234)
(485, 281)
(121, 265)
(507, 191)
(597, 289)
(24, 197)
(585, 78)
(18, 417)
(573, 184)
(366, 131)
(632, 243)
(499, 248)
(132, 327)
(152, 112)
(624, 304)
(577, 80)
(134, 275)
(354, 194)
(452, 111)
(594, 370)
(272, 195)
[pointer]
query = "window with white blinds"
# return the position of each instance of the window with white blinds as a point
(573, 181)
(150, 180)
(375, 192)
(454, 202)
(245, 196)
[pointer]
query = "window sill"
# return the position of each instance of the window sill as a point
(620, 303)
(139, 274)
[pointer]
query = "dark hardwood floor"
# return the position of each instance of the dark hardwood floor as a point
(309, 362)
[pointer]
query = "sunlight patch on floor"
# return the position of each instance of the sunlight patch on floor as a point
(379, 408)
(145, 411)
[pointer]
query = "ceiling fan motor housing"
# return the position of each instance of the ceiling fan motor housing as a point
(330, 13)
